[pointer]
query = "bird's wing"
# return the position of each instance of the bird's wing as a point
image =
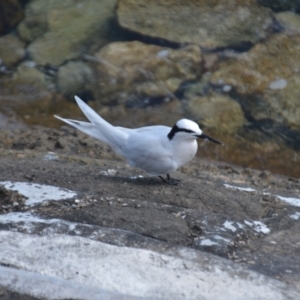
(150, 153)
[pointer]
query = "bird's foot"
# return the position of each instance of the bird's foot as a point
(169, 180)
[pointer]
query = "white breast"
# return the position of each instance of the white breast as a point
(184, 152)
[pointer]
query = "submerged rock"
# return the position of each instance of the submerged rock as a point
(64, 39)
(75, 78)
(28, 74)
(209, 24)
(134, 70)
(12, 50)
(289, 20)
(32, 27)
(281, 5)
(266, 79)
(11, 14)
(217, 112)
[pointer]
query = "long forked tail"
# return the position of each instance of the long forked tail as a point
(98, 128)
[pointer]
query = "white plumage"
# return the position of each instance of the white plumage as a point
(157, 150)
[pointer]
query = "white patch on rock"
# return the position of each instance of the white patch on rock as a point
(218, 237)
(227, 88)
(239, 188)
(295, 216)
(109, 172)
(208, 242)
(134, 272)
(163, 53)
(50, 287)
(229, 225)
(290, 200)
(50, 156)
(37, 193)
(136, 177)
(258, 226)
(278, 84)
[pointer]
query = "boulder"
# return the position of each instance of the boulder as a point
(218, 112)
(12, 50)
(289, 20)
(11, 14)
(74, 78)
(208, 24)
(137, 71)
(64, 39)
(266, 79)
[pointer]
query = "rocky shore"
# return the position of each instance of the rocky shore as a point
(77, 223)
(243, 221)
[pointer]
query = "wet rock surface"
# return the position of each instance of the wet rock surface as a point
(62, 20)
(205, 109)
(12, 50)
(197, 22)
(151, 72)
(290, 20)
(272, 96)
(249, 73)
(252, 226)
(281, 5)
(11, 14)
(145, 64)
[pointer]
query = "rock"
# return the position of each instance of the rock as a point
(12, 50)
(28, 74)
(90, 270)
(10, 200)
(137, 71)
(281, 5)
(269, 244)
(289, 20)
(217, 112)
(119, 218)
(269, 75)
(221, 24)
(11, 14)
(65, 39)
(32, 27)
(75, 78)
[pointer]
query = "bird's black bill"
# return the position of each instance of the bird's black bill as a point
(206, 137)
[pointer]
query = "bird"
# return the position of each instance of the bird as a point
(158, 149)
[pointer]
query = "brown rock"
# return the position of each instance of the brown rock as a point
(270, 71)
(12, 50)
(290, 20)
(32, 27)
(134, 70)
(65, 39)
(217, 112)
(74, 78)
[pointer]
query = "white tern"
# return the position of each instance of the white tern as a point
(156, 149)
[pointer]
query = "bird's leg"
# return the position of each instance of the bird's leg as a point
(169, 180)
